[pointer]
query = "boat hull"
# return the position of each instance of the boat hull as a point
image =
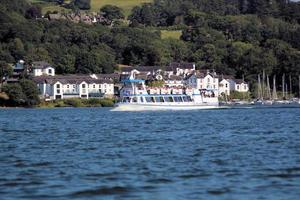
(149, 107)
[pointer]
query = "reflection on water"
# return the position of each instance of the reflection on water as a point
(93, 153)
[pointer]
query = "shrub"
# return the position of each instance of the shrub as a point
(73, 102)
(107, 102)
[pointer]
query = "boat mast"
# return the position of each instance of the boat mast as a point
(269, 88)
(263, 84)
(283, 86)
(299, 87)
(291, 88)
(274, 88)
(259, 90)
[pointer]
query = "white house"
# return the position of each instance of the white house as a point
(42, 68)
(224, 87)
(203, 81)
(73, 86)
(230, 84)
(241, 85)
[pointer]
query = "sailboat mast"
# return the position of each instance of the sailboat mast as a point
(263, 84)
(274, 88)
(299, 86)
(259, 92)
(269, 88)
(283, 86)
(291, 88)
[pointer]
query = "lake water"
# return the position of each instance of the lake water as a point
(93, 153)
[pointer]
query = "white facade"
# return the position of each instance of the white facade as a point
(203, 82)
(47, 71)
(59, 90)
(224, 87)
(241, 87)
(228, 85)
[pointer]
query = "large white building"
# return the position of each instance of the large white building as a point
(42, 68)
(74, 86)
(203, 80)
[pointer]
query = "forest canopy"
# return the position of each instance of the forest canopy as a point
(236, 37)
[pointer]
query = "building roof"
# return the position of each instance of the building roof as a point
(174, 78)
(113, 76)
(195, 73)
(182, 65)
(239, 81)
(70, 79)
(140, 68)
(40, 65)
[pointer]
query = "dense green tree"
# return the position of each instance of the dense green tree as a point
(30, 91)
(112, 12)
(82, 4)
(5, 71)
(15, 94)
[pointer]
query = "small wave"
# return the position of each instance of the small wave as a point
(219, 191)
(103, 191)
(160, 180)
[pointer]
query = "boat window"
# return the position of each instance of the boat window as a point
(171, 99)
(134, 99)
(161, 99)
(189, 98)
(157, 99)
(126, 100)
(177, 99)
(142, 99)
(148, 99)
(166, 99)
(185, 99)
(153, 99)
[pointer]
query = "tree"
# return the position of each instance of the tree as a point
(112, 12)
(5, 71)
(30, 91)
(15, 94)
(33, 12)
(83, 4)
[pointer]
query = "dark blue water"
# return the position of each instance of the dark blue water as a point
(95, 153)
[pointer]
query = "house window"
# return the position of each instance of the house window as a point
(83, 85)
(68, 86)
(238, 87)
(94, 86)
(226, 85)
(57, 86)
(58, 91)
(74, 86)
(49, 71)
(208, 79)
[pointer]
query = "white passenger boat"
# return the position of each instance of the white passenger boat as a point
(135, 97)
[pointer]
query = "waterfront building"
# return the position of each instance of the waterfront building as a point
(229, 84)
(73, 86)
(203, 80)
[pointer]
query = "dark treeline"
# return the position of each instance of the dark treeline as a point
(240, 38)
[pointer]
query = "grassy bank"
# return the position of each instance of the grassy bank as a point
(77, 103)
